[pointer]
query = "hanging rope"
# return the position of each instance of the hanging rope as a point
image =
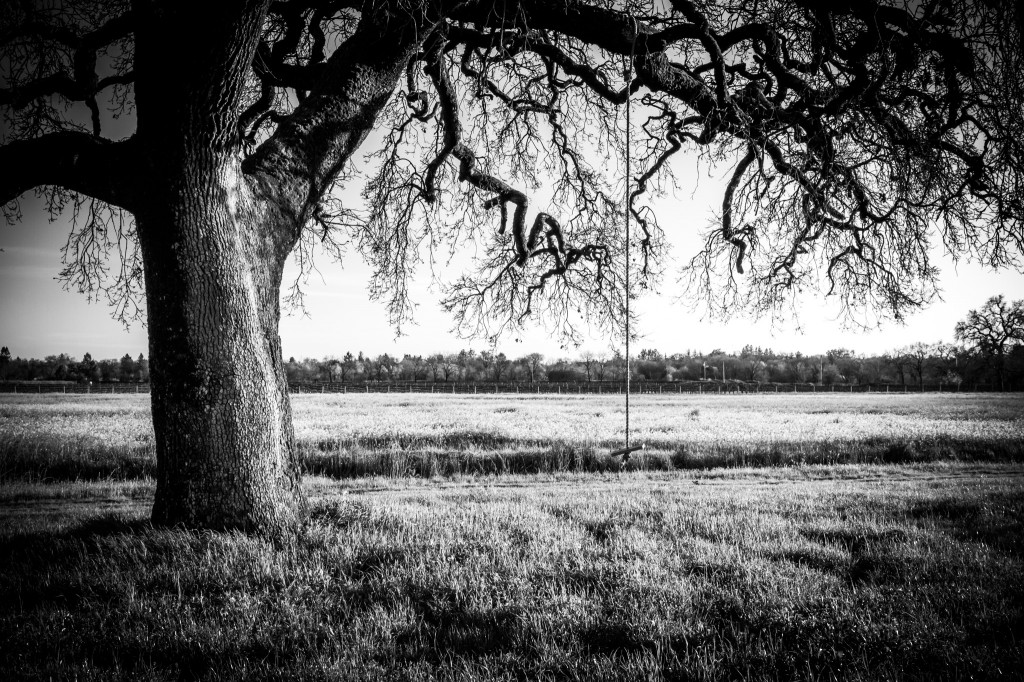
(628, 76)
(629, 145)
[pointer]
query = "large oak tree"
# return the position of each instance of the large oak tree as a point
(993, 330)
(859, 134)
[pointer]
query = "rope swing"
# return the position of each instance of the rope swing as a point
(628, 74)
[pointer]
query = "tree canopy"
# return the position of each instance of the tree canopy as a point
(995, 327)
(860, 135)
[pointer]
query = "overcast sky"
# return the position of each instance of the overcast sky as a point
(39, 318)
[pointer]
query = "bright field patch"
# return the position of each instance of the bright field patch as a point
(53, 437)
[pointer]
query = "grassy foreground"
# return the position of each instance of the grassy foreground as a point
(55, 437)
(812, 572)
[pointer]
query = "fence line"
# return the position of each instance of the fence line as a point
(615, 387)
(526, 388)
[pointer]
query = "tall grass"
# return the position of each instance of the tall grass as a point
(92, 437)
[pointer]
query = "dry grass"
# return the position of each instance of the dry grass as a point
(89, 437)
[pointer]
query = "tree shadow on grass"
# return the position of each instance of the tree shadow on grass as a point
(997, 521)
(445, 626)
(614, 638)
(97, 526)
(113, 593)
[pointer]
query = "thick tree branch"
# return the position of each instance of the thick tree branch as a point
(300, 161)
(108, 171)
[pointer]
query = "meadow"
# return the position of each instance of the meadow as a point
(54, 437)
(758, 537)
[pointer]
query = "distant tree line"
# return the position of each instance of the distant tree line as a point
(990, 350)
(63, 367)
(916, 365)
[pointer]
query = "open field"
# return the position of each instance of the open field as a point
(493, 538)
(54, 437)
(814, 572)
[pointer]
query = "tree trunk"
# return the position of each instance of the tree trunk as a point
(215, 232)
(221, 414)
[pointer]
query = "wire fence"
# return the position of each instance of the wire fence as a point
(542, 387)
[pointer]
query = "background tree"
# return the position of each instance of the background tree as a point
(88, 368)
(465, 361)
(5, 361)
(589, 361)
(143, 365)
(601, 367)
(128, 369)
(993, 330)
(755, 369)
(854, 128)
(500, 366)
(434, 363)
(946, 361)
(450, 367)
(347, 368)
(900, 361)
(534, 361)
(919, 356)
(805, 371)
(109, 370)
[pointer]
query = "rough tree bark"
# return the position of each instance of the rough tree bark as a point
(215, 236)
(221, 414)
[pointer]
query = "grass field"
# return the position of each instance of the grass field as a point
(858, 568)
(53, 437)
